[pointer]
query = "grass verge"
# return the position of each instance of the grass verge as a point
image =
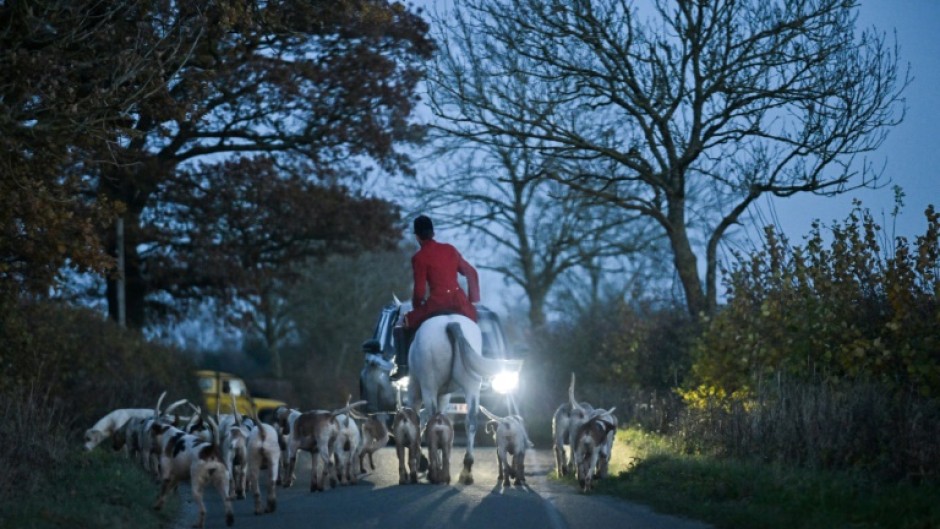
(90, 490)
(743, 495)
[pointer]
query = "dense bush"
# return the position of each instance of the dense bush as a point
(842, 314)
(64, 368)
(825, 355)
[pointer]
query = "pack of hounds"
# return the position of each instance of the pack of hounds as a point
(235, 454)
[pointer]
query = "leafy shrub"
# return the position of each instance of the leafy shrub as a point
(825, 356)
(63, 369)
(845, 313)
(32, 436)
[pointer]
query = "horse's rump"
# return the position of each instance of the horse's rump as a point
(472, 360)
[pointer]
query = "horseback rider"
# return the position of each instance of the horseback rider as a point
(436, 291)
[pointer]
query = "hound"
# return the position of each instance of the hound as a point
(234, 433)
(603, 458)
(590, 437)
(511, 440)
(186, 456)
(346, 448)
(114, 421)
(406, 429)
(374, 436)
(264, 454)
(439, 435)
(129, 437)
(565, 422)
(315, 432)
(149, 451)
(284, 423)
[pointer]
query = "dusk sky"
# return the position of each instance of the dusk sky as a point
(911, 153)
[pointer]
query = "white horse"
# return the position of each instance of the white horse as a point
(446, 357)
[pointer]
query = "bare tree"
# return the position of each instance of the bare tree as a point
(701, 107)
(505, 189)
(536, 228)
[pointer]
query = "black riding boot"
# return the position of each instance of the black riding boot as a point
(403, 338)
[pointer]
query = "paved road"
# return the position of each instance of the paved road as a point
(379, 502)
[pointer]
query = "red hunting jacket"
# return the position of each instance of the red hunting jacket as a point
(436, 266)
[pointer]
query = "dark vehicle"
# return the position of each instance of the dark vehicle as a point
(496, 393)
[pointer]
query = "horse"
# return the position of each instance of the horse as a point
(445, 357)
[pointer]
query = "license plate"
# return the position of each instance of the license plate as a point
(459, 407)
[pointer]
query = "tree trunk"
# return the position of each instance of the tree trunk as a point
(536, 307)
(277, 369)
(131, 185)
(686, 263)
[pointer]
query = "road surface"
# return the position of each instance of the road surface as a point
(378, 501)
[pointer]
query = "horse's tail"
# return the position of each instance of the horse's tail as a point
(472, 360)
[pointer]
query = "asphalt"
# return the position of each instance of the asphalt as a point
(378, 501)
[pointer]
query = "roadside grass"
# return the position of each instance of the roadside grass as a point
(89, 490)
(745, 495)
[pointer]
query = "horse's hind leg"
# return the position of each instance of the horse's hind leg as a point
(473, 406)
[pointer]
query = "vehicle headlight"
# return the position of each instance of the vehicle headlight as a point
(506, 382)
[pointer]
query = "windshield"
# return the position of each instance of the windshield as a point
(234, 386)
(494, 344)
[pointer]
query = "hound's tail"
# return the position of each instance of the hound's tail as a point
(346, 409)
(214, 428)
(156, 410)
(473, 360)
(571, 399)
(490, 414)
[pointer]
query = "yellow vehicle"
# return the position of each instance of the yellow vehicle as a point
(218, 387)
